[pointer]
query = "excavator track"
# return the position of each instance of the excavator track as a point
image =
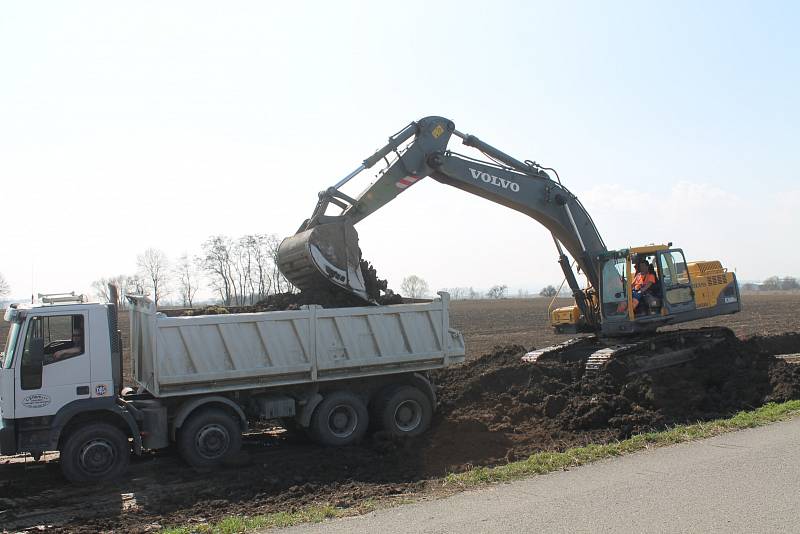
(640, 354)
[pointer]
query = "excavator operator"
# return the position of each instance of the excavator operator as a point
(643, 281)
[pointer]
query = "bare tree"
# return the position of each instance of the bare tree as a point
(789, 283)
(188, 280)
(5, 289)
(241, 270)
(262, 265)
(414, 287)
(135, 285)
(100, 286)
(456, 293)
(472, 294)
(279, 282)
(548, 291)
(244, 270)
(216, 262)
(154, 268)
(100, 289)
(771, 283)
(497, 292)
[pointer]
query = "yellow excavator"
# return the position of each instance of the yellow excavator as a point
(623, 321)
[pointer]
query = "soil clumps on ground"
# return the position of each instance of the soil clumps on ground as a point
(554, 405)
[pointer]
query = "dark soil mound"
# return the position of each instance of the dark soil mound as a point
(552, 405)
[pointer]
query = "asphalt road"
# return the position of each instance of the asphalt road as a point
(747, 481)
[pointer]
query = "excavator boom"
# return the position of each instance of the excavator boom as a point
(325, 249)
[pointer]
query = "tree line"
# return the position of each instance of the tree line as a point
(773, 283)
(238, 271)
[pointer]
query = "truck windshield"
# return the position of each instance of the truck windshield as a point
(7, 356)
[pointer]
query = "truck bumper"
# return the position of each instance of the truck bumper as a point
(8, 440)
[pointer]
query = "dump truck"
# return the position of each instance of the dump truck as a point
(199, 382)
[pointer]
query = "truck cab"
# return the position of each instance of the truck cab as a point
(55, 364)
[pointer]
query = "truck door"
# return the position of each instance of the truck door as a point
(675, 282)
(53, 368)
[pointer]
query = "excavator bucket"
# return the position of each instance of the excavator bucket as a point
(323, 255)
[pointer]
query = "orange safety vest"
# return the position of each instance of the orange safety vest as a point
(641, 279)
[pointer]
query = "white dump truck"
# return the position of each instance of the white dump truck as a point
(199, 381)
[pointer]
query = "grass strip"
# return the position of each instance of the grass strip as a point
(537, 464)
(237, 523)
(547, 462)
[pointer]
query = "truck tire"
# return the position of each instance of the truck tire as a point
(340, 419)
(95, 452)
(209, 438)
(405, 411)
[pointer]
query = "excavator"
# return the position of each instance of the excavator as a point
(324, 252)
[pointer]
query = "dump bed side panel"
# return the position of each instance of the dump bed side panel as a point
(381, 336)
(211, 353)
(206, 354)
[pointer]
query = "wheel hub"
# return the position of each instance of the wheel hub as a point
(408, 415)
(97, 456)
(212, 441)
(343, 421)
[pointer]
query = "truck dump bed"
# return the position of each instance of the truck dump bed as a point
(207, 353)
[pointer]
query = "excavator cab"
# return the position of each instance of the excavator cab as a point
(683, 291)
(621, 303)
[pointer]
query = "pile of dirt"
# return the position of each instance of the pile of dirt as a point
(329, 296)
(499, 408)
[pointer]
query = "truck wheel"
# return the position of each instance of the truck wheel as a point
(209, 438)
(405, 411)
(95, 452)
(340, 419)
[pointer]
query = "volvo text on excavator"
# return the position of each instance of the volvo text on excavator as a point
(325, 251)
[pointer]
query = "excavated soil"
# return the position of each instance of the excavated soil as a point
(493, 409)
(328, 296)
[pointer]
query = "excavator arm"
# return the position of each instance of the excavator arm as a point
(325, 249)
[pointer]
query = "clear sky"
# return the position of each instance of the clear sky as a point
(156, 124)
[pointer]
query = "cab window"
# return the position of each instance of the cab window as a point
(614, 287)
(675, 278)
(673, 269)
(63, 337)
